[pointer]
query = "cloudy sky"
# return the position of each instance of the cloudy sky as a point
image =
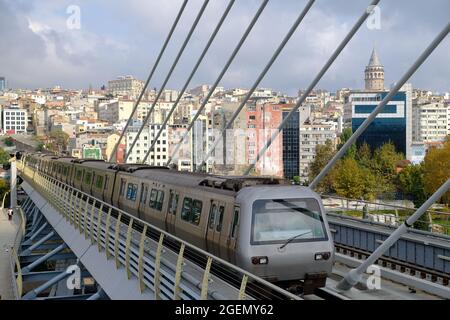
(38, 50)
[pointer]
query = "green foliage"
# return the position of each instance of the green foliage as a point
(4, 157)
(40, 147)
(353, 181)
(9, 141)
(324, 153)
(436, 170)
(410, 181)
(364, 156)
(58, 141)
(296, 179)
(4, 187)
(383, 166)
(345, 135)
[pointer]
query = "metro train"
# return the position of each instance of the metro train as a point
(267, 226)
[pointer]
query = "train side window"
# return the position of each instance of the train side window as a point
(122, 187)
(78, 176)
(99, 182)
(153, 197)
(160, 200)
(186, 210)
(212, 216)
(191, 211)
(221, 212)
(88, 178)
(106, 182)
(196, 211)
(235, 222)
(131, 191)
(173, 203)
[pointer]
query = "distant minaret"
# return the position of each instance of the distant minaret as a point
(374, 74)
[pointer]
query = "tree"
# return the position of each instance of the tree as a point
(383, 166)
(411, 182)
(364, 155)
(4, 157)
(40, 147)
(59, 141)
(436, 170)
(352, 181)
(324, 153)
(4, 187)
(345, 135)
(9, 141)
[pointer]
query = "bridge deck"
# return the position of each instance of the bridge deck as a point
(8, 231)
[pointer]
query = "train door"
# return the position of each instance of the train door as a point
(215, 227)
(171, 213)
(232, 235)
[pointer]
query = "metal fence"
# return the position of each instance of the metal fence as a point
(16, 272)
(433, 221)
(160, 261)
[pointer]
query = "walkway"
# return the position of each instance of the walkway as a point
(8, 231)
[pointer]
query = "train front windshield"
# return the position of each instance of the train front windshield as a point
(279, 220)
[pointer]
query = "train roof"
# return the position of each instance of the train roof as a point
(65, 159)
(216, 183)
(92, 163)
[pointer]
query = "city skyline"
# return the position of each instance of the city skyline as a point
(40, 51)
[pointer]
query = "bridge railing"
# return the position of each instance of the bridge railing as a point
(16, 272)
(433, 221)
(156, 258)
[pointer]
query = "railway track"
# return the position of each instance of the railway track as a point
(400, 266)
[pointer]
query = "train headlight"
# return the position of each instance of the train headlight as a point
(260, 260)
(322, 256)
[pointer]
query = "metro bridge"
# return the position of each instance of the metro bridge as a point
(67, 244)
(61, 233)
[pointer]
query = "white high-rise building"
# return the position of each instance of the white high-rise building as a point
(312, 135)
(431, 122)
(14, 120)
(160, 153)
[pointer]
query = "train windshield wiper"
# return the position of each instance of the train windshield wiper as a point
(293, 238)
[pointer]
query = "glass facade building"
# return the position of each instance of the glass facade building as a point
(391, 124)
(291, 143)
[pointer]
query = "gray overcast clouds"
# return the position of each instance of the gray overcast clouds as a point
(124, 37)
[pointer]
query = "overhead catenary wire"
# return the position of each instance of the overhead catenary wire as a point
(174, 64)
(113, 156)
(380, 106)
(258, 80)
(319, 76)
(194, 70)
(219, 78)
